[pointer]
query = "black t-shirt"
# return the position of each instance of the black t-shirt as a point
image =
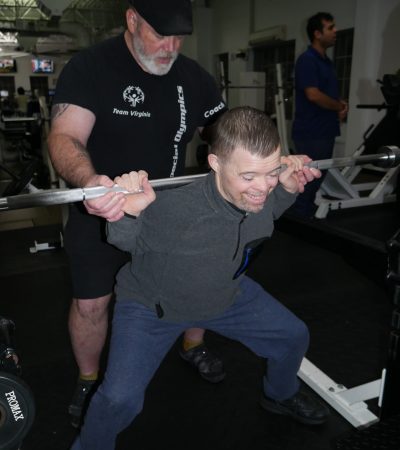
(143, 121)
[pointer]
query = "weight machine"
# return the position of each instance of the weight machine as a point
(340, 189)
(257, 85)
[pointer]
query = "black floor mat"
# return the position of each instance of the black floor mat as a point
(348, 315)
(384, 435)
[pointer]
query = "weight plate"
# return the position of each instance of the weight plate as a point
(17, 410)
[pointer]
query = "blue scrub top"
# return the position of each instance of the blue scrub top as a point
(311, 121)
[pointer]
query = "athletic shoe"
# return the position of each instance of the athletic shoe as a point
(302, 407)
(80, 401)
(208, 365)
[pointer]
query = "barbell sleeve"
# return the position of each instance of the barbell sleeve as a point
(389, 157)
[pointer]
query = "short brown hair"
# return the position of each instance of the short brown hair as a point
(245, 127)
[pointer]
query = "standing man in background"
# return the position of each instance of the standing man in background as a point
(132, 102)
(318, 107)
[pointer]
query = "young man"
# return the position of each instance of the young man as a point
(318, 107)
(191, 247)
(130, 102)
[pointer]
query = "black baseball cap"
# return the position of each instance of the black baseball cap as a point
(167, 17)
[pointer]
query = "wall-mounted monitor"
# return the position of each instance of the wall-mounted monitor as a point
(8, 65)
(3, 93)
(40, 65)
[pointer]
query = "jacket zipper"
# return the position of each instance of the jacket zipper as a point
(238, 237)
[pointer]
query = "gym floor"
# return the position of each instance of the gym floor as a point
(320, 269)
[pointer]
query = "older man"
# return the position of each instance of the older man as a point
(131, 102)
(191, 248)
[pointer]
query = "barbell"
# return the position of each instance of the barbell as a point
(389, 157)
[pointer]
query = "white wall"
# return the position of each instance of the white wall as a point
(377, 37)
(294, 15)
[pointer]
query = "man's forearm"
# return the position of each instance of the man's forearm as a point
(314, 95)
(70, 159)
(71, 126)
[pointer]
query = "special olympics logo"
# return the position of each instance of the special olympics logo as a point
(133, 95)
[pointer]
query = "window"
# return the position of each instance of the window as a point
(265, 59)
(342, 58)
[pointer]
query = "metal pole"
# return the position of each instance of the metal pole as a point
(390, 158)
(280, 111)
(62, 196)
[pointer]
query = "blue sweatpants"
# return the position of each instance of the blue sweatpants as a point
(140, 341)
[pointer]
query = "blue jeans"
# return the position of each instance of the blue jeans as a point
(315, 149)
(140, 341)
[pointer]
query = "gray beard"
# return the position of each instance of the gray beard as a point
(148, 62)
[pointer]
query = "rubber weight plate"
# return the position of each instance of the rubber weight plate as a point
(17, 411)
